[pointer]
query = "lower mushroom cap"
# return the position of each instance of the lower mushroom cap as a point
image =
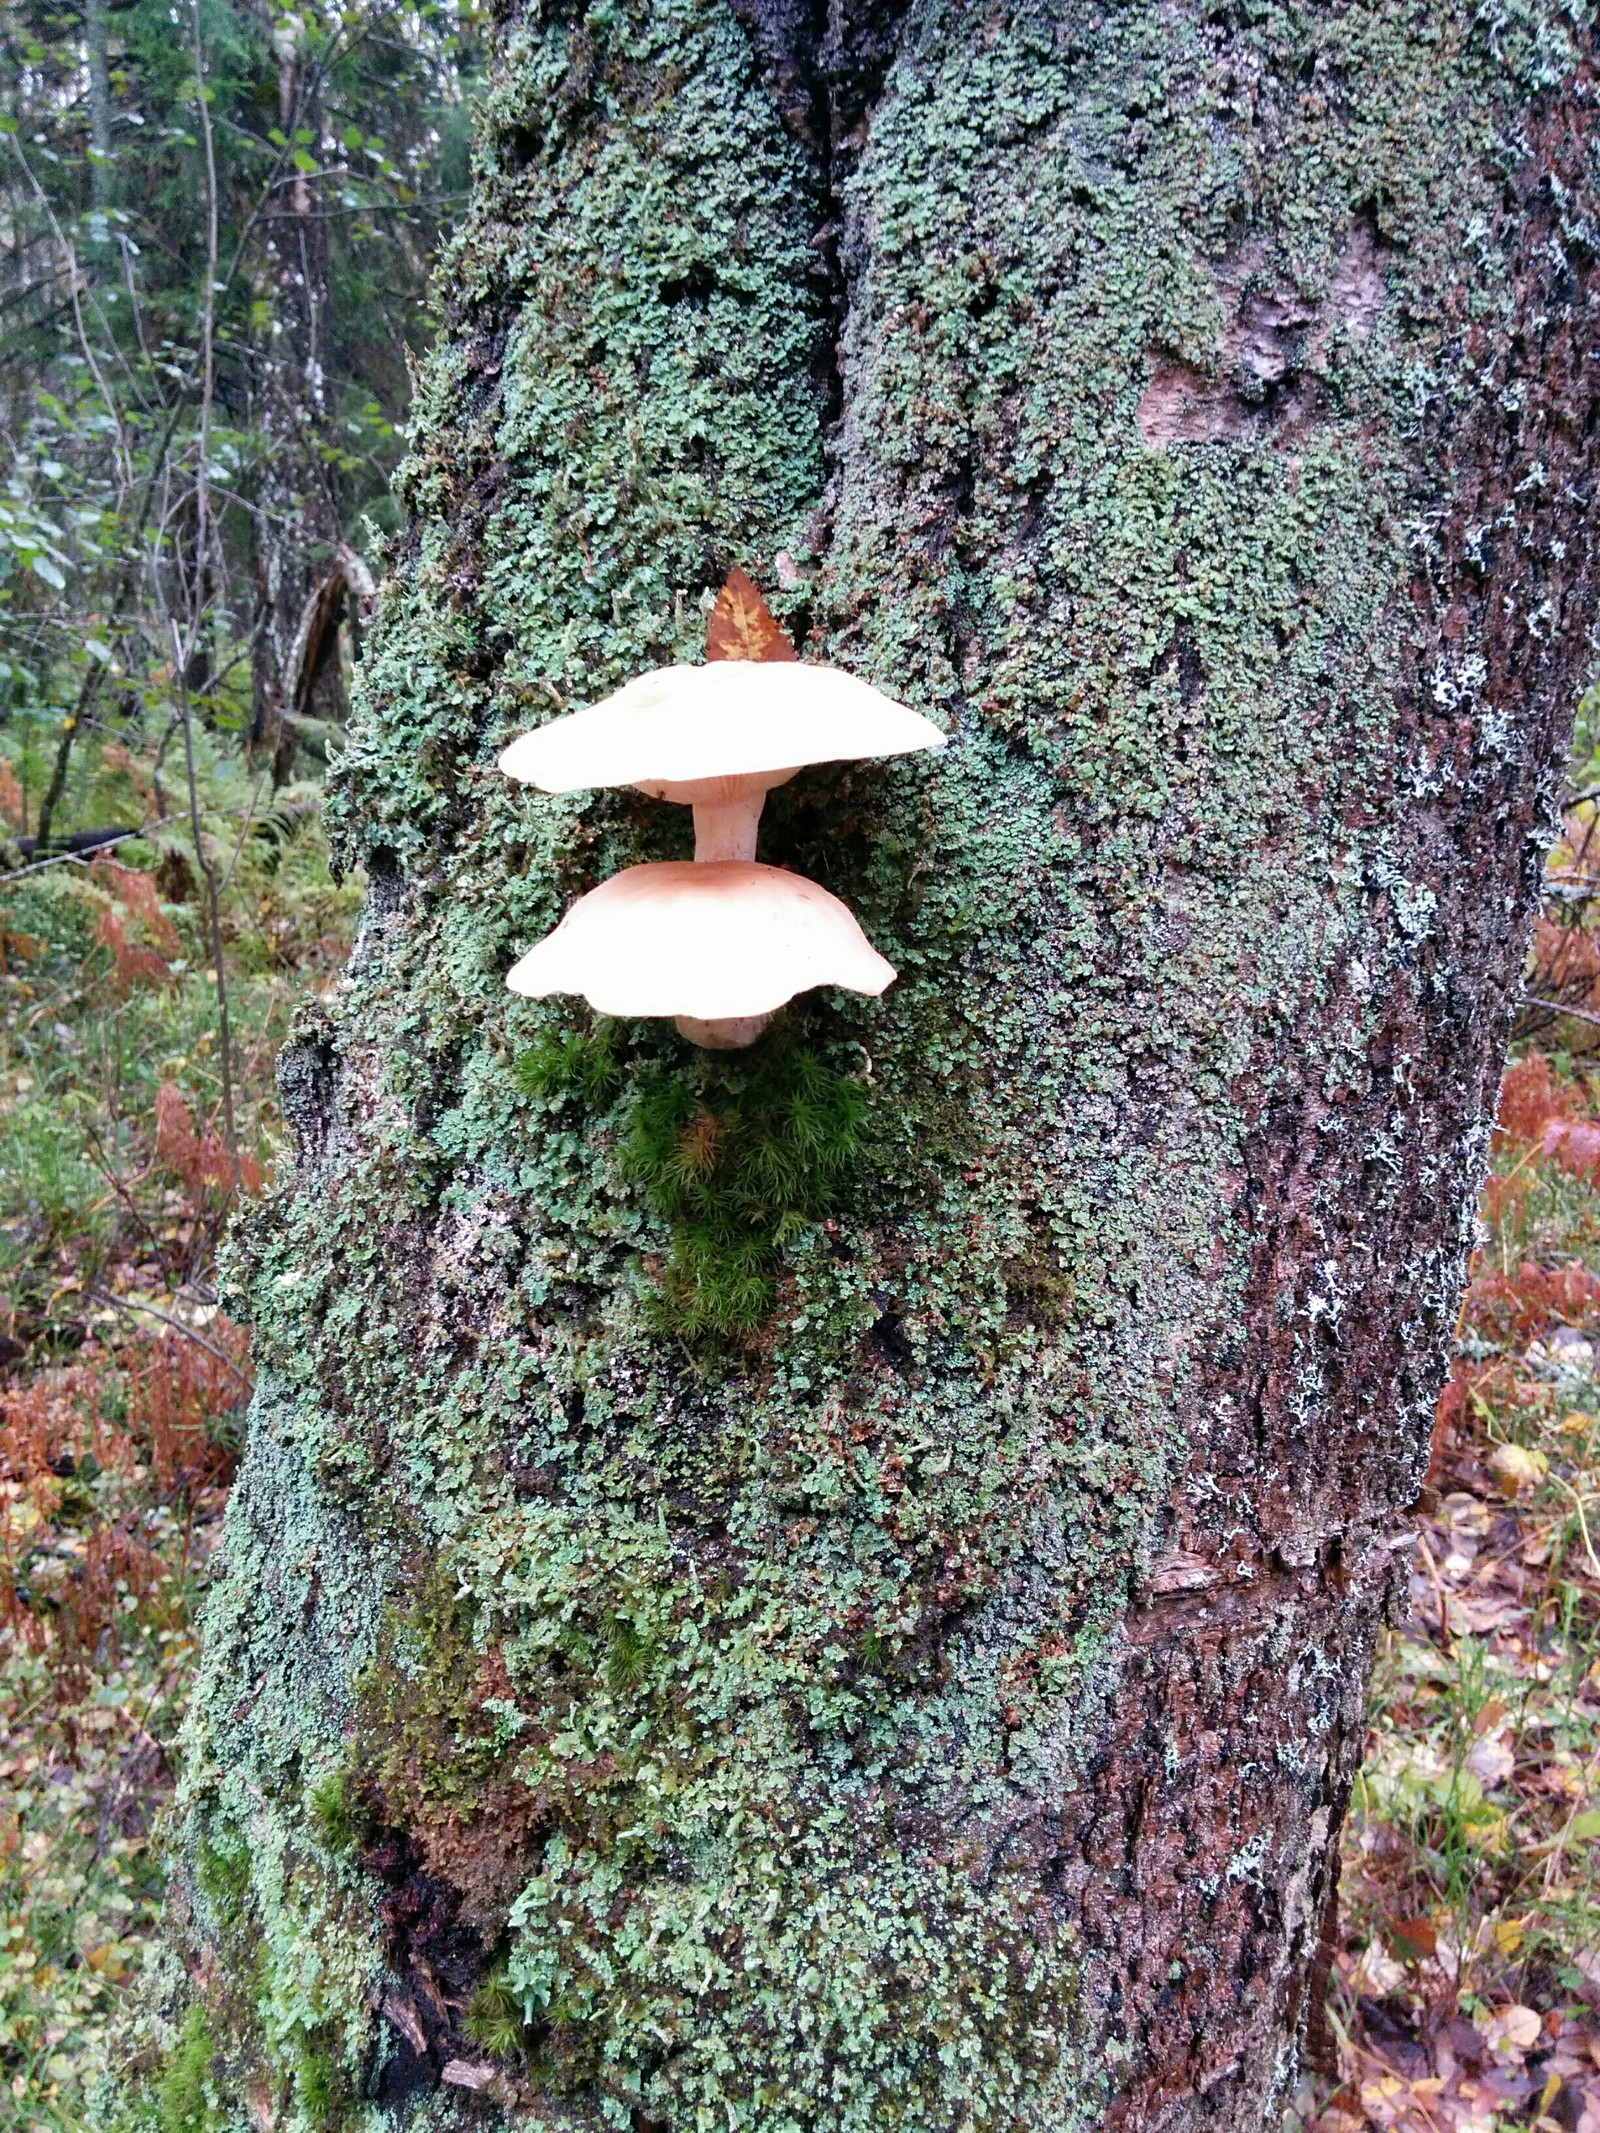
(711, 941)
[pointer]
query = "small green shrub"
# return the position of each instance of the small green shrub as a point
(55, 911)
(45, 1173)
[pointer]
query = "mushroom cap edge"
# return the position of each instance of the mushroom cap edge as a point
(728, 718)
(711, 940)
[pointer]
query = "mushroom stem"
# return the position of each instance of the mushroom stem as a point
(726, 829)
(731, 1034)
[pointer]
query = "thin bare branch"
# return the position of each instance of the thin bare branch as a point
(1555, 1007)
(127, 1304)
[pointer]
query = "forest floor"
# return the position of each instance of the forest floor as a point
(1465, 1995)
(122, 1383)
(1466, 1987)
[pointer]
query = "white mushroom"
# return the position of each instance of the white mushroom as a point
(717, 738)
(718, 945)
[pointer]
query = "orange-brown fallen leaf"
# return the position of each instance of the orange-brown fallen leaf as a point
(741, 626)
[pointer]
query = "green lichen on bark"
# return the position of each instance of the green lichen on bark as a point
(701, 1712)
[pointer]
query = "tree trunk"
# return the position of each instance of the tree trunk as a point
(95, 43)
(297, 510)
(935, 1707)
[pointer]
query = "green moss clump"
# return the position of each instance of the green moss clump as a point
(337, 1814)
(630, 1656)
(318, 2091)
(738, 1158)
(183, 2102)
(424, 1746)
(494, 2020)
(570, 1063)
(224, 1875)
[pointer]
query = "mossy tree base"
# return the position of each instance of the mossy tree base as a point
(922, 1693)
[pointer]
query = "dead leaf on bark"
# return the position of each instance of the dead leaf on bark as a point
(742, 626)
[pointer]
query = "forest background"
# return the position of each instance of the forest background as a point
(217, 226)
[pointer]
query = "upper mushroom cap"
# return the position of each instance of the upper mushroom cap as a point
(729, 718)
(712, 940)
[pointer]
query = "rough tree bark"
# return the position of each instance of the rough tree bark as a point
(937, 1709)
(95, 43)
(296, 517)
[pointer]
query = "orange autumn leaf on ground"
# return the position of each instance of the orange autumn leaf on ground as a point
(741, 625)
(134, 894)
(130, 965)
(200, 1157)
(1537, 1109)
(134, 888)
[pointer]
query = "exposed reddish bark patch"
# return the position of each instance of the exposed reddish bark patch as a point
(1271, 355)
